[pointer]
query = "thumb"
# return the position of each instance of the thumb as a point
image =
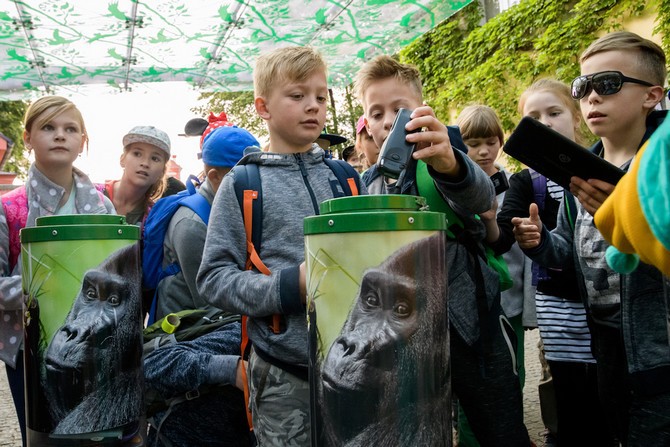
(535, 216)
(534, 212)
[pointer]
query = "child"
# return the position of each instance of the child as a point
(621, 84)
(55, 130)
(222, 148)
(365, 144)
(561, 315)
(220, 416)
(353, 157)
(483, 376)
(291, 94)
(483, 135)
(146, 151)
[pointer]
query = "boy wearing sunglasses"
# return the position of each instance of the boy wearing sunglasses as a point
(629, 316)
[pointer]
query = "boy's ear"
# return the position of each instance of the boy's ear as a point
(654, 96)
(261, 107)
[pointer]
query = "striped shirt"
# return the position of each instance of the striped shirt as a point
(562, 323)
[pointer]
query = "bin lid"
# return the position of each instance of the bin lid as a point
(384, 212)
(80, 227)
(373, 202)
(81, 219)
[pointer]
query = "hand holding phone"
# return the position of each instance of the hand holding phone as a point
(396, 151)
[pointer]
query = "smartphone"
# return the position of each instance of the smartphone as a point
(500, 182)
(396, 151)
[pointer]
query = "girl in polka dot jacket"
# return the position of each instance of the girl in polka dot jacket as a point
(55, 131)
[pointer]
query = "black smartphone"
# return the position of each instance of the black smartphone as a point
(500, 182)
(396, 151)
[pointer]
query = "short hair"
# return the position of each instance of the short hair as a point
(561, 91)
(480, 121)
(650, 56)
(37, 115)
(384, 67)
(295, 63)
(348, 152)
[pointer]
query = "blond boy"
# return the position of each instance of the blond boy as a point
(290, 92)
(482, 376)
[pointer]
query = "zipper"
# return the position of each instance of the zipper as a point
(303, 171)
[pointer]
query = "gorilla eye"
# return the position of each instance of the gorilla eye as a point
(91, 295)
(402, 310)
(114, 300)
(371, 300)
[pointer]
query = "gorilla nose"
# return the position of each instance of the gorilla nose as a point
(347, 348)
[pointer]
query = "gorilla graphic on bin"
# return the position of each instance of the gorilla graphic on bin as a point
(385, 379)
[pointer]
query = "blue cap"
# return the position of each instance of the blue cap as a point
(224, 146)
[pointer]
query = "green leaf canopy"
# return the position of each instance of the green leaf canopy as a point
(51, 44)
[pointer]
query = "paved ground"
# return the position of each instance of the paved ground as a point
(10, 436)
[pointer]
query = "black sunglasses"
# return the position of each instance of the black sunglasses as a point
(604, 83)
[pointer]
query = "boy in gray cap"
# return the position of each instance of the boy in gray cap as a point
(216, 417)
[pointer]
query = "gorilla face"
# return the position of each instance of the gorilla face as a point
(99, 339)
(382, 321)
(386, 373)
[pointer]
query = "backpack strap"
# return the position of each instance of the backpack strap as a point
(539, 182)
(346, 175)
(247, 186)
(15, 206)
(570, 208)
(427, 189)
(455, 226)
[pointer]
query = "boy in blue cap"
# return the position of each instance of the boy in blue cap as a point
(211, 359)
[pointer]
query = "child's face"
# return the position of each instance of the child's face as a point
(58, 142)
(296, 113)
(548, 109)
(484, 152)
(143, 164)
(381, 100)
(613, 116)
(366, 145)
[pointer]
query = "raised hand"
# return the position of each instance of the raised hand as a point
(528, 230)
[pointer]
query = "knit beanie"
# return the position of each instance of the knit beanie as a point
(635, 218)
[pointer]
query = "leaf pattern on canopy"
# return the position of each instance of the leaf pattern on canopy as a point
(209, 44)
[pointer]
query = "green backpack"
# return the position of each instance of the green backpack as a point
(185, 325)
(455, 225)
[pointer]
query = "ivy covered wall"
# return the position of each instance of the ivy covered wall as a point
(463, 62)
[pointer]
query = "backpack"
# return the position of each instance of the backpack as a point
(155, 227)
(180, 326)
(250, 198)
(15, 206)
(539, 182)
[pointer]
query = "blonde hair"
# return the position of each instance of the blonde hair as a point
(38, 113)
(480, 121)
(384, 67)
(650, 57)
(284, 64)
(561, 91)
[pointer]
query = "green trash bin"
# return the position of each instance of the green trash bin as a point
(378, 327)
(83, 331)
